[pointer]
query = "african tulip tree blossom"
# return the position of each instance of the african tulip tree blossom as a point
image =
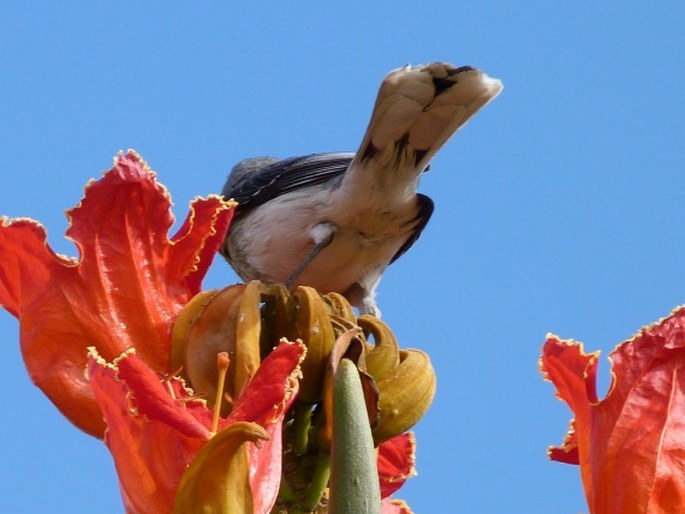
(130, 311)
(630, 445)
(124, 291)
(156, 429)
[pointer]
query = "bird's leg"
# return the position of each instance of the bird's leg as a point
(363, 295)
(322, 234)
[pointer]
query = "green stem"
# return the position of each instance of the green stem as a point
(285, 492)
(303, 421)
(322, 472)
(354, 474)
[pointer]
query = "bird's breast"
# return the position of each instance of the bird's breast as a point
(278, 236)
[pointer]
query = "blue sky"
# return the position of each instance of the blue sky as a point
(558, 208)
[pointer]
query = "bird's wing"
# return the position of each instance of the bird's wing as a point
(425, 211)
(258, 186)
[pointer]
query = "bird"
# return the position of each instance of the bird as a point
(335, 221)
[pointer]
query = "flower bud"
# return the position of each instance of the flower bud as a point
(247, 321)
(404, 395)
(313, 327)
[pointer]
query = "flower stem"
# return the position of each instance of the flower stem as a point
(354, 474)
(285, 492)
(303, 422)
(322, 472)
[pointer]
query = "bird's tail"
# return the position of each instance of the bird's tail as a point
(417, 110)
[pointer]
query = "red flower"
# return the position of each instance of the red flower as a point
(123, 292)
(120, 299)
(630, 445)
(395, 465)
(156, 429)
(396, 462)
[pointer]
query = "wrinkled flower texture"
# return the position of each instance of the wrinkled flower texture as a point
(120, 299)
(123, 292)
(630, 445)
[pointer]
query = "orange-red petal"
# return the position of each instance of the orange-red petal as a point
(574, 374)
(156, 428)
(124, 291)
(396, 461)
(150, 454)
(631, 445)
(391, 506)
(265, 401)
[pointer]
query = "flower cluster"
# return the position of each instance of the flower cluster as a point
(211, 401)
(225, 401)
